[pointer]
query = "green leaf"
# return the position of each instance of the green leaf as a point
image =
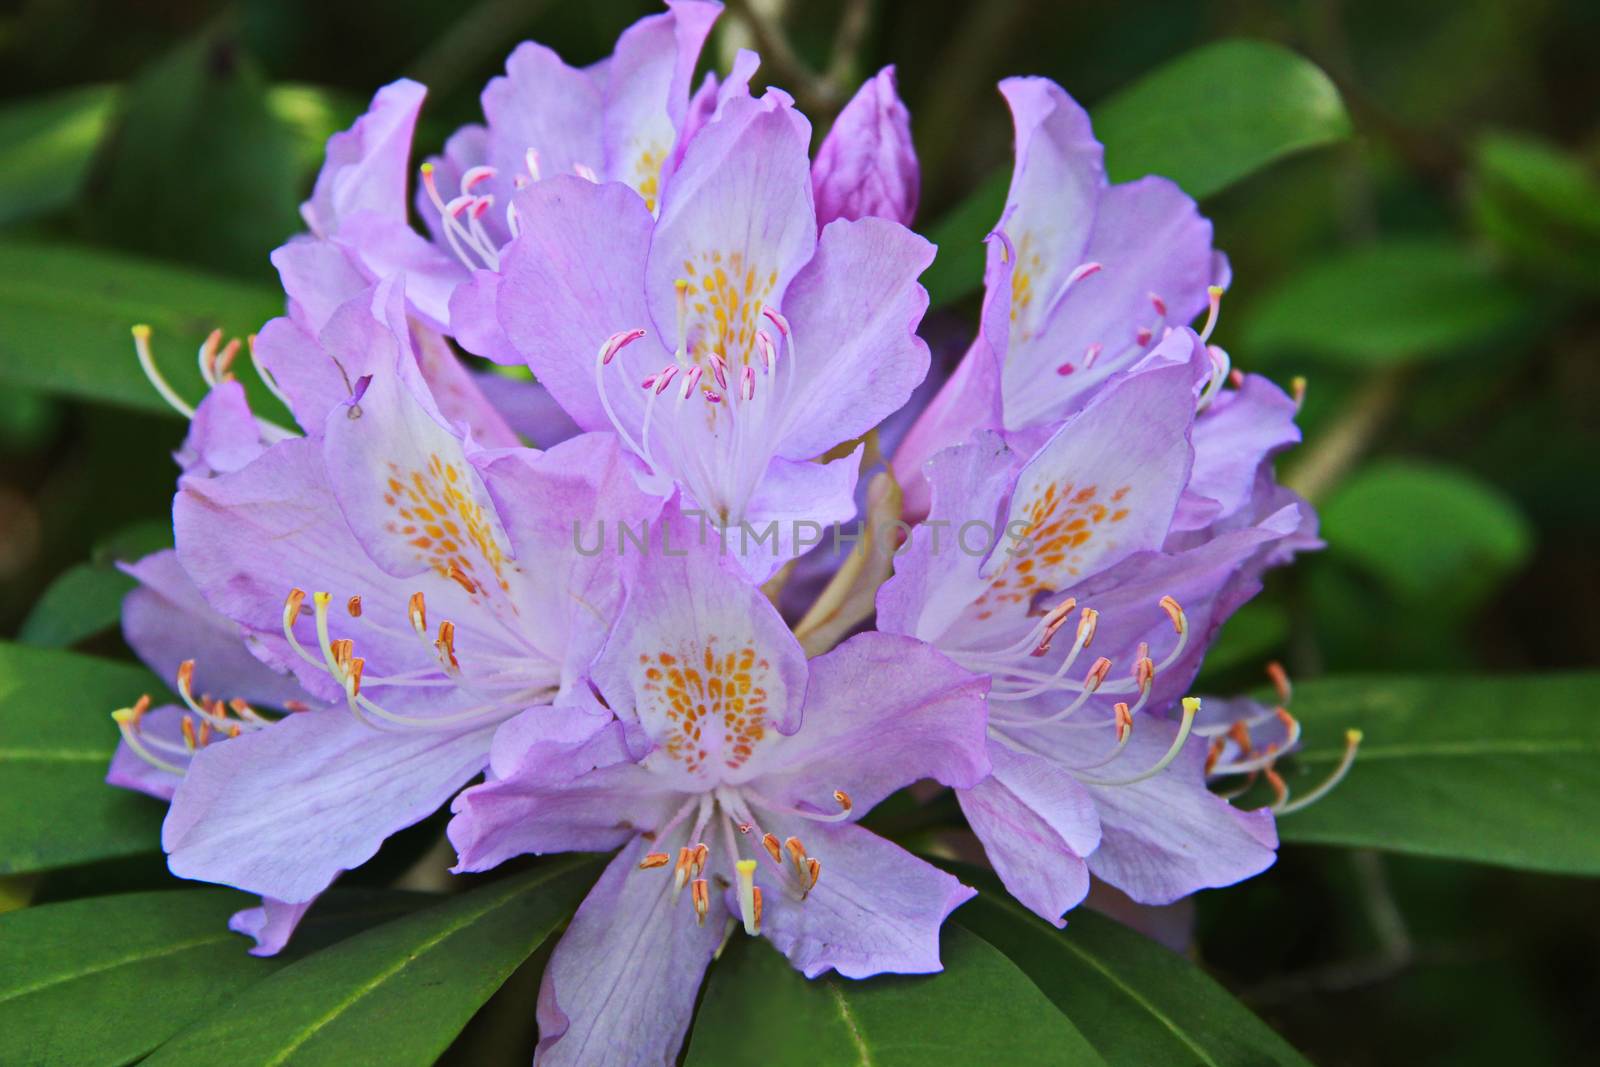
(1384, 304)
(50, 141)
(56, 739)
(199, 169)
(1206, 120)
(1540, 204)
(1502, 770)
(980, 1009)
(85, 600)
(1428, 532)
(1137, 1002)
(395, 995)
(1219, 114)
(68, 312)
(105, 979)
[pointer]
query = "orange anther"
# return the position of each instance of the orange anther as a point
(843, 798)
(291, 606)
(1174, 612)
(1097, 674)
(188, 733)
(770, 843)
(1280, 681)
(701, 894)
(419, 613)
(654, 860)
(353, 605)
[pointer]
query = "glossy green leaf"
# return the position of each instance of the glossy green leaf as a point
(200, 169)
(56, 739)
(395, 995)
(1137, 1002)
(49, 144)
(1540, 204)
(85, 600)
(1206, 120)
(69, 311)
(1385, 304)
(103, 980)
(980, 1009)
(1428, 532)
(1502, 770)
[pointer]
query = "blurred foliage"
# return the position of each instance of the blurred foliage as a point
(1433, 277)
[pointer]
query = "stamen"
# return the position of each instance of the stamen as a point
(1297, 390)
(127, 720)
(1214, 302)
(207, 356)
(446, 645)
(353, 606)
(680, 870)
(473, 175)
(1053, 621)
(777, 319)
(1191, 708)
(747, 896)
(1352, 742)
(770, 843)
(654, 860)
(147, 363)
(1159, 304)
(1091, 354)
(843, 798)
(813, 873)
(701, 895)
(418, 611)
(1280, 681)
(188, 733)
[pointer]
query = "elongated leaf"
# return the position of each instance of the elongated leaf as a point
(49, 142)
(56, 739)
(1428, 532)
(1137, 1002)
(83, 601)
(1388, 303)
(68, 313)
(1206, 120)
(395, 995)
(981, 1009)
(104, 979)
(1501, 770)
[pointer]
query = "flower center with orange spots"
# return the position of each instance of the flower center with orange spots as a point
(449, 529)
(1062, 521)
(725, 296)
(715, 704)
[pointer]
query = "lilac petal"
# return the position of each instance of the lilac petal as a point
(1104, 487)
(938, 573)
(794, 503)
(367, 165)
(318, 276)
(387, 247)
(1168, 836)
(647, 93)
(738, 212)
(1233, 437)
(867, 165)
(283, 810)
(223, 435)
(923, 718)
(557, 507)
(271, 924)
(561, 795)
(620, 987)
(129, 770)
(876, 908)
(166, 621)
(541, 104)
(475, 319)
(966, 404)
(854, 310)
(1152, 244)
(688, 607)
(1036, 824)
(1056, 186)
(529, 409)
(574, 278)
(458, 392)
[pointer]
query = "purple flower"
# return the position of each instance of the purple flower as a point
(1083, 280)
(725, 342)
(1157, 526)
(867, 165)
(449, 595)
(735, 771)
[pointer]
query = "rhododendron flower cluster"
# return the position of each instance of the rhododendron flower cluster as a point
(400, 604)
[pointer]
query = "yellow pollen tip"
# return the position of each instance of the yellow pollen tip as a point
(1353, 737)
(1214, 290)
(141, 332)
(427, 168)
(1191, 707)
(125, 717)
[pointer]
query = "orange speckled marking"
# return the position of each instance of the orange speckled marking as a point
(450, 531)
(725, 296)
(1062, 521)
(1029, 264)
(647, 174)
(703, 692)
